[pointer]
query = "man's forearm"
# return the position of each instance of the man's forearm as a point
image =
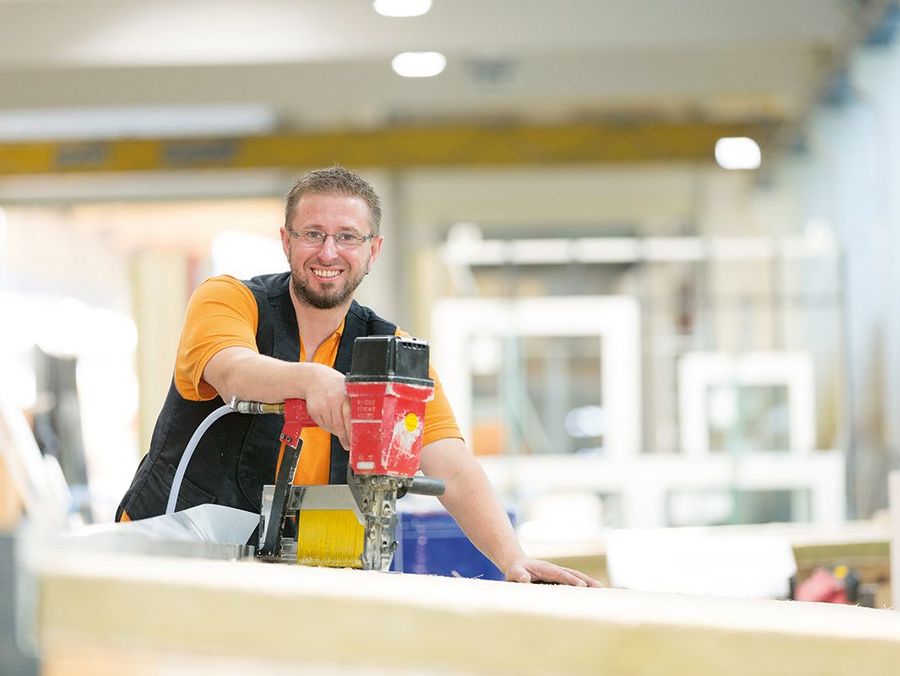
(243, 373)
(471, 500)
(255, 377)
(483, 519)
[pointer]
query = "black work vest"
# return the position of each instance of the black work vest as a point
(238, 453)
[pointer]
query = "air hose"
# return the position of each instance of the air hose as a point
(234, 406)
(189, 451)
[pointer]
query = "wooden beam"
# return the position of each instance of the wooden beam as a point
(140, 613)
(507, 145)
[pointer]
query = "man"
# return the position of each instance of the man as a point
(244, 338)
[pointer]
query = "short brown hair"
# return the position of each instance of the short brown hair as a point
(335, 180)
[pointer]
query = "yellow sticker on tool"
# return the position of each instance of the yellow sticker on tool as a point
(411, 421)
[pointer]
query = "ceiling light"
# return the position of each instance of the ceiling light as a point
(738, 152)
(419, 64)
(402, 8)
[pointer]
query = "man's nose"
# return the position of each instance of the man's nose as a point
(328, 249)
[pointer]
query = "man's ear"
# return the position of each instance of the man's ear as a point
(286, 243)
(376, 250)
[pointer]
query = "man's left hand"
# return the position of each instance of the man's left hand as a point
(535, 570)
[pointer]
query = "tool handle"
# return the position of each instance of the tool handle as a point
(425, 485)
(296, 417)
(270, 540)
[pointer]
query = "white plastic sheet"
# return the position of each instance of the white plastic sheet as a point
(205, 525)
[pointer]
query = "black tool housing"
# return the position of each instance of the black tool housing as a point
(381, 358)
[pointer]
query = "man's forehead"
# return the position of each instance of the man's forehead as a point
(334, 205)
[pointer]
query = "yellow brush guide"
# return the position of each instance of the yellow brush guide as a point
(330, 532)
(329, 537)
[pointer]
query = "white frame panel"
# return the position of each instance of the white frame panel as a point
(697, 371)
(615, 320)
(644, 482)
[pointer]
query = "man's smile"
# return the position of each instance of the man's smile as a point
(325, 273)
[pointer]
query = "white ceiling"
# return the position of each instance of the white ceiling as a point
(315, 64)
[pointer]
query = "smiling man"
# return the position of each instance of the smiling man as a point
(290, 335)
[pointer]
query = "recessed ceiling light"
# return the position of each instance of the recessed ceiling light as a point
(419, 64)
(738, 152)
(402, 8)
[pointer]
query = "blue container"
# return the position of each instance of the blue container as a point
(431, 543)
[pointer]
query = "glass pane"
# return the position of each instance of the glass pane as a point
(561, 410)
(488, 436)
(536, 395)
(488, 428)
(748, 418)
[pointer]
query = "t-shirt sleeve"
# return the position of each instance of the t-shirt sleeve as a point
(221, 313)
(440, 423)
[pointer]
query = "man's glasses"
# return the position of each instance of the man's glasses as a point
(343, 240)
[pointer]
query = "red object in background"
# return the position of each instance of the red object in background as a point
(823, 585)
(387, 425)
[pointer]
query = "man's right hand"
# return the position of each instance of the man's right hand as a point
(327, 402)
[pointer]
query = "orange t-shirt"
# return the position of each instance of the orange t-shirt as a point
(222, 313)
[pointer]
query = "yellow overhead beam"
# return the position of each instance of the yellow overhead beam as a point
(391, 147)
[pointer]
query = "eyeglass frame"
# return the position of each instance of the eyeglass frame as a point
(354, 242)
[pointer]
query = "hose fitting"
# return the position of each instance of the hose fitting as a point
(254, 407)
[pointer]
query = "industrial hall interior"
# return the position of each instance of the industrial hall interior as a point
(450, 337)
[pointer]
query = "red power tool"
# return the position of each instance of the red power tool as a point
(388, 387)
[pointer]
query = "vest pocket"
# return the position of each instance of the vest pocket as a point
(256, 461)
(190, 494)
(153, 497)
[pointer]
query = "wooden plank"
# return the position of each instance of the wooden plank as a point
(354, 620)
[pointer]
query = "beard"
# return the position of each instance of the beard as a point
(328, 299)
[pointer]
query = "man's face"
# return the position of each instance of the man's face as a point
(326, 274)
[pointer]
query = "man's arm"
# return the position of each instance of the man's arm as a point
(471, 500)
(241, 372)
